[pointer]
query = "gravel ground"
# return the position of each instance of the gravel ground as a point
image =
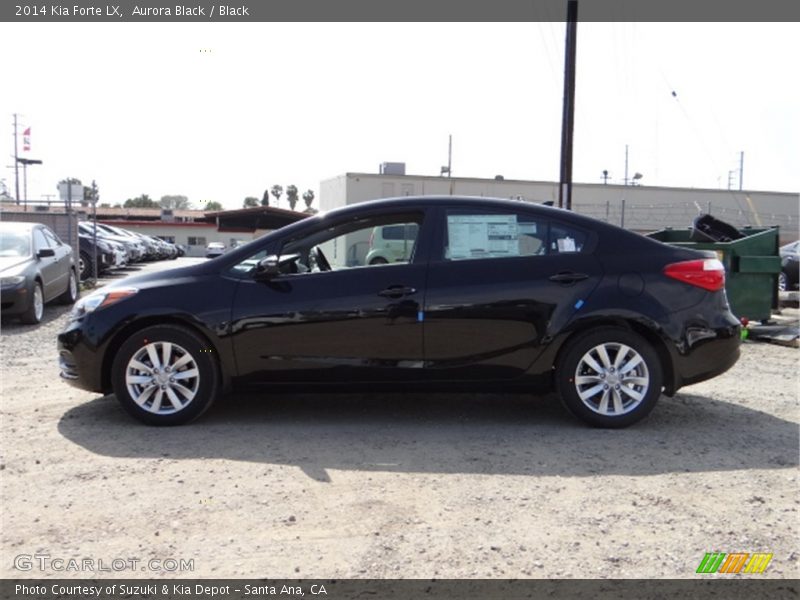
(398, 485)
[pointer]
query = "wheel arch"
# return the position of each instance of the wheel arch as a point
(647, 330)
(119, 337)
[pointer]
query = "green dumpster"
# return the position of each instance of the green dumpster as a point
(752, 264)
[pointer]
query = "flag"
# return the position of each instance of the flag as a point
(26, 140)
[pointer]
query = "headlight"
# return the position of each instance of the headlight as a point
(99, 300)
(103, 246)
(16, 280)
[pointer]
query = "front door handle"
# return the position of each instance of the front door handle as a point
(397, 291)
(568, 277)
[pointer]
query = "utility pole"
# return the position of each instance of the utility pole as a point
(626, 165)
(568, 116)
(16, 162)
(741, 169)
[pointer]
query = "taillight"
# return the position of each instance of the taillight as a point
(372, 239)
(708, 273)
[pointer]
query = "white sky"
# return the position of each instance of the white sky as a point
(141, 109)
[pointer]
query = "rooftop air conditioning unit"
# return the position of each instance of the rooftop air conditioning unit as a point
(393, 168)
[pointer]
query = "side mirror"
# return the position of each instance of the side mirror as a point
(46, 253)
(268, 268)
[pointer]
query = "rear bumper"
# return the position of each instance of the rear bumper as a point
(704, 349)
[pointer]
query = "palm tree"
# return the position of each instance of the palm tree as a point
(308, 196)
(277, 190)
(291, 195)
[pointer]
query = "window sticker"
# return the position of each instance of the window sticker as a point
(482, 236)
(566, 244)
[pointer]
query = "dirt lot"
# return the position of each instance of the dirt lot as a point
(398, 485)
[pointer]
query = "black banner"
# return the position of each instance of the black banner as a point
(340, 589)
(399, 10)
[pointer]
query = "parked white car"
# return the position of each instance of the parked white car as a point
(215, 249)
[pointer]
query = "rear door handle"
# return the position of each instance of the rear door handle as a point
(568, 277)
(397, 291)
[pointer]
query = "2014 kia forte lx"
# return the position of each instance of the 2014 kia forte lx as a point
(492, 293)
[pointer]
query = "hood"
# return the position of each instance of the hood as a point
(157, 279)
(13, 263)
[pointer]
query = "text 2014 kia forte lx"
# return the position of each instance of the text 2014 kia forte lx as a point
(492, 293)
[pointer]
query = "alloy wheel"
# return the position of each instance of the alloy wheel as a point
(38, 302)
(612, 379)
(162, 378)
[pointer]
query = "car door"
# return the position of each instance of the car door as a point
(63, 261)
(47, 265)
(500, 282)
(354, 322)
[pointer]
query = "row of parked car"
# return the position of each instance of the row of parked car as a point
(117, 247)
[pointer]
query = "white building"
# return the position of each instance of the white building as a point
(637, 207)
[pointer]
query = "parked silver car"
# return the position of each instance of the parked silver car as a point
(35, 268)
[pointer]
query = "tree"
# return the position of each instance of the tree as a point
(250, 202)
(308, 196)
(176, 202)
(291, 196)
(265, 198)
(143, 201)
(277, 190)
(90, 195)
(213, 205)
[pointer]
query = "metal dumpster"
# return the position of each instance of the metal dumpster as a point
(752, 264)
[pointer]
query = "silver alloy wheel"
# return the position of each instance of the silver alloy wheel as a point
(38, 302)
(782, 282)
(162, 378)
(612, 379)
(73, 287)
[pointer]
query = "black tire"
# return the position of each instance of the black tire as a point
(86, 266)
(783, 281)
(206, 386)
(33, 316)
(603, 391)
(379, 260)
(72, 292)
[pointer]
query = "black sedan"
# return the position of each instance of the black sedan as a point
(495, 293)
(790, 267)
(35, 268)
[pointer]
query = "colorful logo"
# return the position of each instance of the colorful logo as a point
(738, 562)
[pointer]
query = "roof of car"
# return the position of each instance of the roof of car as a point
(18, 225)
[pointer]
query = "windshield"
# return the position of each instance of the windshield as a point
(15, 244)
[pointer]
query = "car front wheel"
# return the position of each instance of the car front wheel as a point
(610, 377)
(165, 375)
(33, 315)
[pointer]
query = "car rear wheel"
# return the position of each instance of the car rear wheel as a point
(611, 377)
(783, 282)
(70, 295)
(85, 266)
(35, 311)
(165, 375)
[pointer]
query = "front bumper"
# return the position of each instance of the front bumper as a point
(15, 300)
(77, 358)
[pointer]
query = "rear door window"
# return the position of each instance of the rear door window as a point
(471, 235)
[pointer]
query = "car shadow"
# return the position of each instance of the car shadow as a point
(447, 433)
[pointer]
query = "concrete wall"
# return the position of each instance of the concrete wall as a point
(65, 226)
